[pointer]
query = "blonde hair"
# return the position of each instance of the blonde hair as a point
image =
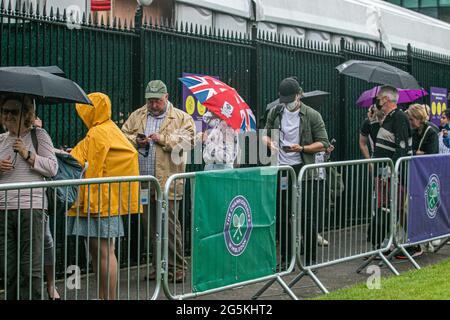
(418, 111)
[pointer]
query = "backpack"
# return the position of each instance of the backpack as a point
(68, 168)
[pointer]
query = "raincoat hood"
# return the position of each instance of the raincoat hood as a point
(98, 113)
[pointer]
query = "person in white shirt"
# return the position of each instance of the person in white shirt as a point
(220, 144)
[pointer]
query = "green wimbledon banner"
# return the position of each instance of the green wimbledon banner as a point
(234, 226)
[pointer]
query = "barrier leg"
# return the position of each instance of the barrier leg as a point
(317, 281)
(297, 279)
(443, 243)
(286, 288)
(366, 263)
(390, 256)
(388, 264)
(283, 284)
(410, 258)
(263, 289)
(310, 273)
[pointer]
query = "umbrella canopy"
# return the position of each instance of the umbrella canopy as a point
(365, 100)
(43, 86)
(222, 100)
(312, 98)
(378, 72)
(53, 70)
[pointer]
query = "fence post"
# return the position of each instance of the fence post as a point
(138, 63)
(342, 134)
(255, 76)
(409, 57)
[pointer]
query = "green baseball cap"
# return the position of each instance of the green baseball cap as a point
(156, 89)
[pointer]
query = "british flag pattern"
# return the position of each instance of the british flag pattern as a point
(222, 100)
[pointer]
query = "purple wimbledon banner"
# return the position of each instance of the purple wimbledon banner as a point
(438, 103)
(192, 106)
(429, 197)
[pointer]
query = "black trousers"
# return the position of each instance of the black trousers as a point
(23, 258)
(311, 209)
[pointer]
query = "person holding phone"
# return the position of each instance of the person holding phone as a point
(369, 130)
(302, 134)
(162, 134)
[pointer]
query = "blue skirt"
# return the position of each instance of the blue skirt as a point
(109, 227)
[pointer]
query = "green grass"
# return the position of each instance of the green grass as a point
(429, 283)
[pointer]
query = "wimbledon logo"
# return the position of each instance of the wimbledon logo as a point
(238, 225)
(433, 196)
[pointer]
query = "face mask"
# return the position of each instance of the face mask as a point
(291, 106)
(207, 117)
(214, 122)
(211, 120)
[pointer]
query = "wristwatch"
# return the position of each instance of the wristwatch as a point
(29, 155)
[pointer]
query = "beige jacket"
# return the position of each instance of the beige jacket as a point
(177, 134)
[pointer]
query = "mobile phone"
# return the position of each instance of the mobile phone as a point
(141, 136)
(286, 148)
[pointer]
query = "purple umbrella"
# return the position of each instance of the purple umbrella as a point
(404, 96)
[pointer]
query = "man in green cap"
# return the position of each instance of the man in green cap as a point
(160, 132)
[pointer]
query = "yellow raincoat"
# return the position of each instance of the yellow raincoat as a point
(109, 154)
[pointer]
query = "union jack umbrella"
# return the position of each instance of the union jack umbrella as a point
(222, 100)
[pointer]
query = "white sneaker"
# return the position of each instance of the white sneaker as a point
(321, 240)
(428, 247)
(436, 243)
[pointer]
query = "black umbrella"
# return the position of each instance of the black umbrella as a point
(45, 87)
(42, 86)
(312, 98)
(378, 72)
(53, 70)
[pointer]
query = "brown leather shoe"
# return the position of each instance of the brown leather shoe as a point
(151, 275)
(179, 276)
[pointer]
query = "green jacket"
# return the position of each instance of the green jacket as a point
(311, 124)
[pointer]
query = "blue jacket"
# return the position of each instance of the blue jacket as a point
(447, 140)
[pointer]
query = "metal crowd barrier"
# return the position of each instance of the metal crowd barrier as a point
(25, 265)
(402, 185)
(285, 236)
(349, 204)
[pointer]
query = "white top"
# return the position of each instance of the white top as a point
(221, 145)
(289, 135)
(45, 165)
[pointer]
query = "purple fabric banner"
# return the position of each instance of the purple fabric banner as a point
(429, 197)
(192, 106)
(438, 103)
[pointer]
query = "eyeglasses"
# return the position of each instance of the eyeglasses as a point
(14, 112)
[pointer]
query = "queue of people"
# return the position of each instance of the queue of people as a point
(144, 146)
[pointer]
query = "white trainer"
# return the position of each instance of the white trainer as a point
(436, 243)
(321, 240)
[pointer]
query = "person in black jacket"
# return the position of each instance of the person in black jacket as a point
(393, 141)
(425, 136)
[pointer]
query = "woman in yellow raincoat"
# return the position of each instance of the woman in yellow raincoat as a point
(98, 216)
